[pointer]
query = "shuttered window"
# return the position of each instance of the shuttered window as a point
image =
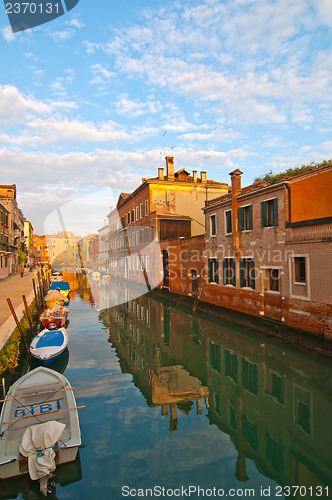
(213, 225)
(228, 217)
(269, 213)
(247, 273)
(213, 270)
(229, 271)
(245, 218)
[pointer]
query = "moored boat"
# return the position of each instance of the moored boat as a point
(61, 286)
(54, 317)
(48, 345)
(56, 276)
(41, 396)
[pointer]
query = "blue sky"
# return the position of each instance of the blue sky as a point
(85, 99)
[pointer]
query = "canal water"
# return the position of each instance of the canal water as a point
(181, 405)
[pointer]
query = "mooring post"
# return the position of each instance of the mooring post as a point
(27, 312)
(18, 324)
(3, 387)
(36, 296)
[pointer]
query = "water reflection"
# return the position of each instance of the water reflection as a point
(273, 401)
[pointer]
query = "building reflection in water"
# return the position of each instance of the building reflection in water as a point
(272, 400)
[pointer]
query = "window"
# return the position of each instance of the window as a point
(299, 270)
(213, 270)
(245, 218)
(137, 213)
(128, 217)
(231, 365)
(247, 273)
(146, 207)
(141, 210)
(229, 271)
(269, 212)
(215, 356)
(213, 230)
(274, 280)
(132, 216)
(249, 376)
(228, 218)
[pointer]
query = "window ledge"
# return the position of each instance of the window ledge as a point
(213, 283)
(301, 283)
(273, 292)
(229, 286)
(247, 288)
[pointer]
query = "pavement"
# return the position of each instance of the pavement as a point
(13, 287)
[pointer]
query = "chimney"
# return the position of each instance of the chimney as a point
(170, 168)
(195, 175)
(236, 189)
(203, 176)
(236, 181)
(161, 174)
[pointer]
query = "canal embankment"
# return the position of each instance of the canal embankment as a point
(302, 339)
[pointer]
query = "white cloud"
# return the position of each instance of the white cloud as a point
(133, 108)
(102, 75)
(8, 34)
(17, 108)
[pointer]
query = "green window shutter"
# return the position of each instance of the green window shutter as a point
(250, 216)
(263, 213)
(216, 275)
(224, 271)
(229, 221)
(242, 273)
(252, 273)
(233, 273)
(241, 218)
(213, 225)
(210, 270)
(275, 211)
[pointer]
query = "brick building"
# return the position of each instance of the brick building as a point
(160, 209)
(267, 249)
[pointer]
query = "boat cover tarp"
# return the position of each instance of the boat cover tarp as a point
(50, 339)
(53, 295)
(63, 285)
(36, 444)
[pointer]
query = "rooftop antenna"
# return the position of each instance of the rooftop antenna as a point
(164, 142)
(205, 158)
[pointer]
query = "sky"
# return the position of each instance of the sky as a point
(91, 102)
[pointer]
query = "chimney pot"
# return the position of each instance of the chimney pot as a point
(203, 176)
(195, 175)
(161, 173)
(170, 168)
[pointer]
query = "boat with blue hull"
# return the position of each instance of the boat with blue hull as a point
(48, 345)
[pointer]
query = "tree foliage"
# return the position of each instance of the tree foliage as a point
(272, 177)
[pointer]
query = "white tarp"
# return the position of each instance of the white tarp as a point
(36, 444)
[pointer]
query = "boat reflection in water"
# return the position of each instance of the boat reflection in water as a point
(64, 475)
(272, 400)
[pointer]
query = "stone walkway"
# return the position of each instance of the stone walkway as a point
(13, 287)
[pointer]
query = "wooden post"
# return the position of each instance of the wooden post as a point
(36, 296)
(18, 324)
(27, 312)
(3, 387)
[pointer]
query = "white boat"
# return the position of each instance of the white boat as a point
(48, 345)
(40, 396)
